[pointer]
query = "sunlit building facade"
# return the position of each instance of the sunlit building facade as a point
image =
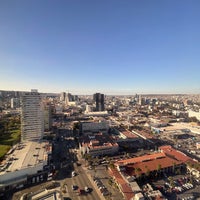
(32, 119)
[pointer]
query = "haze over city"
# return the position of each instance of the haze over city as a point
(113, 47)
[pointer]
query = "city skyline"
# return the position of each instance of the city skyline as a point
(110, 47)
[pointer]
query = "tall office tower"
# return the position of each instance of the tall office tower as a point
(99, 101)
(47, 117)
(62, 96)
(32, 120)
(70, 99)
(140, 100)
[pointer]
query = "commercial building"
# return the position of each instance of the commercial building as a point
(71, 100)
(93, 127)
(127, 171)
(47, 117)
(62, 96)
(166, 160)
(98, 144)
(32, 120)
(99, 101)
(21, 168)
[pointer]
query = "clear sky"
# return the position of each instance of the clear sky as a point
(108, 46)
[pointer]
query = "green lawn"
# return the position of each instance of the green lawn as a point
(10, 139)
(7, 141)
(4, 149)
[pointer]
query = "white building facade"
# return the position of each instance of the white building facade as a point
(32, 118)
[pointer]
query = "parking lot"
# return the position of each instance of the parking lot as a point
(180, 187)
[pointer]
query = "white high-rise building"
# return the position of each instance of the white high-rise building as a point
(15, 103)
(32, 118)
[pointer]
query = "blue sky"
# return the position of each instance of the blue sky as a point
(108, 46)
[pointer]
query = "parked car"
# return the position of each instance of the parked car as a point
(87, 189)
(73, 173)
(74, 187)
(81, 191)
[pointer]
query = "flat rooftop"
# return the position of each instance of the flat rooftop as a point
(182, 125)
(129, 134)
(25, 155)
(98, 141)
(46, 195)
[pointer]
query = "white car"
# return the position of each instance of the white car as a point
(87, 189)
(73, 173)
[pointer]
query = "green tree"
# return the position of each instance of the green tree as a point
(171, 181)
(88, 158)
(173, 167)
(112, 165)
(147, 173)
(138, 172)
(159, 167)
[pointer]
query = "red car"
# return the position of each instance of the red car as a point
(81, 191)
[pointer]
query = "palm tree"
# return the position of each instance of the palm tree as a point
(88, 158)
(159, 167)
(95, 161)
(111, 165)
(110, 182)
(128, 154)
(94, 168)
(171, 181)
(174, 165)
(138, 172)
(147, 171)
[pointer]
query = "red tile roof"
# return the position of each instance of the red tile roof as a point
(146, 134)
(136, 166)
(129, 134)
(141, 158)
(168, 150)
(151, 165)
(125, 188)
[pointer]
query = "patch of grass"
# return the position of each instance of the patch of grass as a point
(4, 149)
(8, 140)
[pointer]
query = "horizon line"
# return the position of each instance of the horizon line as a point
(167, 93)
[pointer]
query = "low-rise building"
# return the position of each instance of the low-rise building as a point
(98, 144)
(94, 127)
(23, 163)
(126, 171)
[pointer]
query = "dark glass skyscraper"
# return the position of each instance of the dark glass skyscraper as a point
(99, 101)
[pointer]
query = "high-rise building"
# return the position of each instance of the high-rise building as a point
(32, 120)
(47, 117)
(99, 101)
(63, 96)
(71, 99)
(15, 103)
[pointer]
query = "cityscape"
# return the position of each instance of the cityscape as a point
(67, 146)
(99, 100)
